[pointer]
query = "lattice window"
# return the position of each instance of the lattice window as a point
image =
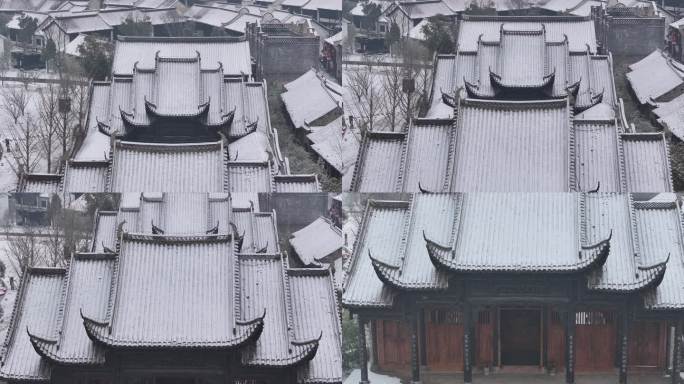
(445, 316)
(594, 318)
(484, 317)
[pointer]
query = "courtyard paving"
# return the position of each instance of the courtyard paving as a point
(512, 378)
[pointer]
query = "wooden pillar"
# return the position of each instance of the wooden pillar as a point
(624, 347)
(570, 345)
(676, 350)
(415, 360)
(363, 351)
(495, 339)
(467, 343)
(545, 337)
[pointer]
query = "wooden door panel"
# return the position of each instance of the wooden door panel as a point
(393, 343)
(556, 342)
(485, 338)
(595, 334)
(647, 344)
(444, 339)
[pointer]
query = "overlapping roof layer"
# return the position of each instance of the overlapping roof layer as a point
(512, 146)
(178, 119)
(619, 243)
(205, 257)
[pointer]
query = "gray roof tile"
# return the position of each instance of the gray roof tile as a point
(35, 309)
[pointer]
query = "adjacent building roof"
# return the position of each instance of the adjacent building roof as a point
(670, 115)
(512, 146)
(315, 242)
(426, 243)
(336, 144)
(311, 97)
(253, 303)
(655, 76)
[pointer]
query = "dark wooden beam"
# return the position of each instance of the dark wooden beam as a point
(570, 345)
(467, 343)
(363, 351)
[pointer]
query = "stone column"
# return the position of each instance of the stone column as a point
(570, 316)
(363, 351)
(467, 343)
(415, 360)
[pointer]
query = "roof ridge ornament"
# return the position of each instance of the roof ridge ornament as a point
(156, 230)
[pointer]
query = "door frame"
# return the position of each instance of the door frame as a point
(542, 340)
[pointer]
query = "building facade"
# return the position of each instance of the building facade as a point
(176, 288)
(478, 282)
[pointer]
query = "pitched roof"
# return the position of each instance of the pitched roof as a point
(654, 76)
(301, 93)
(314, 305)
(146, 317)
(87, 286)
(508, 69)
(509, 146)
(35, 309)
(196, 167)
(316, 241)
(233, 53)
(579, 30)
(107, 300)
(429, 241)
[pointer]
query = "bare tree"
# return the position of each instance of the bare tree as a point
(14, 101)
(26, 138)
(360, 82)
(393, 97)
(23, 251)
(48, 122)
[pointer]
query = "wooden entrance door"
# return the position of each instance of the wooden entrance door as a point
(595, 334)
(647, 344)
(444, 339)
(520, 336)
(392, 340)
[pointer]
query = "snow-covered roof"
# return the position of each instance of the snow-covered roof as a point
(336, 144)
(654, 76)
(194, 237)
(417, 31)
(670, 115)
(73, 47)
(512, 146)
(580, 31)
(232, 53)
(316, 241)
(617, 242)
(310, 97)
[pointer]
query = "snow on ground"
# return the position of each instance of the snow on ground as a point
(375, 378)
(8, 178)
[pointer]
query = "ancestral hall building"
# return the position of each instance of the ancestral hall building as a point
(524, 105)
(178, 115)
(176, 288)
(567, 282)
